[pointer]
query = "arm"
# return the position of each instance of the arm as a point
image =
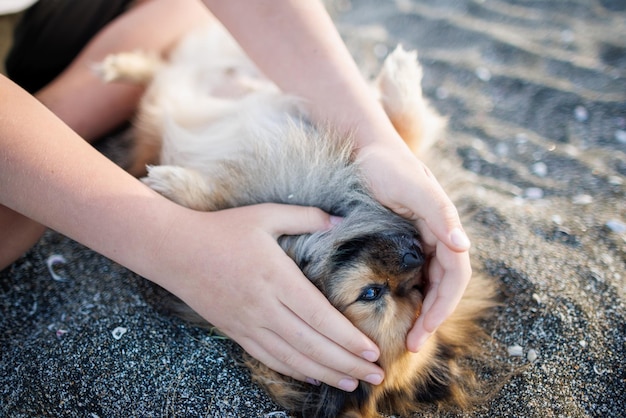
(48, 173)
(296, 44)
(77, 93)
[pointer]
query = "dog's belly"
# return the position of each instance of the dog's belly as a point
(212, 103)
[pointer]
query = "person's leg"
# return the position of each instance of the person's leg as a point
(93, 108)
(52, 33)
(43, 46)
(19, 233)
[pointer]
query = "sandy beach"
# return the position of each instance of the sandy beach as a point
(534, 156)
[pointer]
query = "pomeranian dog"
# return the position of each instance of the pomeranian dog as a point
(225, 136)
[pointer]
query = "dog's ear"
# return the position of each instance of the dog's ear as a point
(330, 402)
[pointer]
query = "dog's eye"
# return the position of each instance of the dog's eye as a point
(372, 293)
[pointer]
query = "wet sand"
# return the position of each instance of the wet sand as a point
(535, 159)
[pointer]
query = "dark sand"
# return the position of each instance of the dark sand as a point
(534, 157)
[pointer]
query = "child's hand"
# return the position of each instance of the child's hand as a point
(232, 272)
(405, 185)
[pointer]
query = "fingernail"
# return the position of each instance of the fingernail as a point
(369, 356)
(335, 220)
(349, 385)
(459, 239)
(374, 379)
(312, 381)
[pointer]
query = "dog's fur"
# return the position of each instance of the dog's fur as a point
(228, 137)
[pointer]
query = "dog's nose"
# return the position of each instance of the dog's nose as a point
(412, 260)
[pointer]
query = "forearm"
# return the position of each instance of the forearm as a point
(312, 63)
(48, 173)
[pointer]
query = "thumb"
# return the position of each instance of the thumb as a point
(296, 220)
(445, 224)
(442, 217)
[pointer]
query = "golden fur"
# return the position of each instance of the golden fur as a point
(228, 137)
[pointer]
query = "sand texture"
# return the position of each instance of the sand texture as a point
(535, 159)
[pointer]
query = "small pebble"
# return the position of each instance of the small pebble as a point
(33, 309)
(532, 355)
(599, 372)
(515, 351)
(582, 199)
(557, 219)
(533, 193)
(51, 261)
(483, 73)
(616, 226)
(581, 114)
(540, 169)
(583, 343)
(442, 93)
(567, 36)
(620, 136)
(502, 149)
(119, 332)
(275, 414)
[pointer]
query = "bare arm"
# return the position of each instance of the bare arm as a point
(92, 108)
(296, 44)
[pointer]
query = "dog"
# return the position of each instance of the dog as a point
(224, 136)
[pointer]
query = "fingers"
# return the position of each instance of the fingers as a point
(440, 215)
(391, 171)
(296, 349)
(315, 329)
(295, 220)
(318, 314)
(298, 332)
(449, 270)
(449, 274)
(282, 358)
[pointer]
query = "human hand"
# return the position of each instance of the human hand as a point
(405, 185)
(230, 270)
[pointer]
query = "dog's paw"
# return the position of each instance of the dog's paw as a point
(136, 67)
(181, 185)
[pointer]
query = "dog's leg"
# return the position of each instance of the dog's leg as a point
(181, 185)
(134, 67)
(400, 91)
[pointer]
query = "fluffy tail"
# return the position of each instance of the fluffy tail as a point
(400, 93)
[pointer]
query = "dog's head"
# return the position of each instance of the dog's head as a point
(375, 279)
(370, 267)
